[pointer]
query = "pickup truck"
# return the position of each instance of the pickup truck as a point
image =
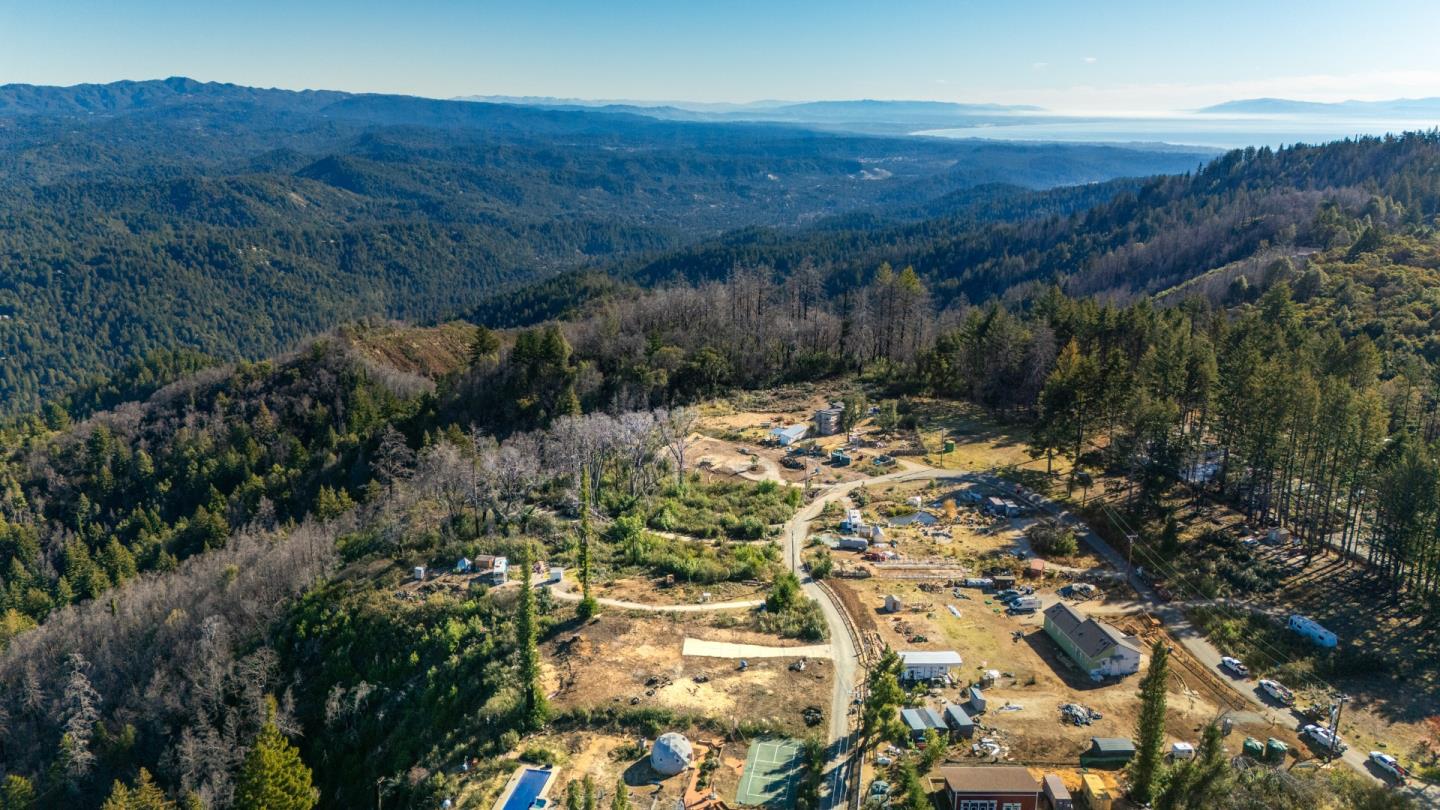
(1324, 738)
(1235, 665)
(1278, 692)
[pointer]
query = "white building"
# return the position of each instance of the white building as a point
(787, 436)
(928, 665)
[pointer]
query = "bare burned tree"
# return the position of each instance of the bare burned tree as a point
(676, 427)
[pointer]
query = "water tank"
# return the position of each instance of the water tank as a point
(672, 754)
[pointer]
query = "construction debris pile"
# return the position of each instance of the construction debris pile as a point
(1078, 715)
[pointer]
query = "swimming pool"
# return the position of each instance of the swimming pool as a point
(531, 784)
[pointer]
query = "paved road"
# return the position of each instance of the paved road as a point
(724, 649)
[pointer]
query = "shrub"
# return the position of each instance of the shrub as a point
(1050, 538)
(538, 755)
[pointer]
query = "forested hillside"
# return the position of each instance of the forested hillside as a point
(1119, 239)
(205, 564)
(235, 221)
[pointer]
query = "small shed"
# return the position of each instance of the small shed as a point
(918, 721)
(840, 458)
(462, 566)
(1002, 582)
(893, 603)
(1181, 751)
(1098, 795)
(1108, 752)
(961, 725)
(418, 572)
(1036, 568)
(1056, 793)
(975, 699)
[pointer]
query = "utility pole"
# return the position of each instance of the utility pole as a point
(1339, 707)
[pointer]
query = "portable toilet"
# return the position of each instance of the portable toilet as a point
(949, 445)
(419, 573)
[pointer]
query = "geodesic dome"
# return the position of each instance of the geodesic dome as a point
(671, 754)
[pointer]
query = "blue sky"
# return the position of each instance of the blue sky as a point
(1096, 55)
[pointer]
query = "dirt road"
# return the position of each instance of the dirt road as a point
(725, 649)
(563, 592)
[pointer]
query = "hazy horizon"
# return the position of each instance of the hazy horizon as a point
(1129, 57)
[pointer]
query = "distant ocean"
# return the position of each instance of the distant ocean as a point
(1209, 130)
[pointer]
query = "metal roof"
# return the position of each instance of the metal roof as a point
(922, 719)
(1111, 745)
(930, 658)
(1092, 637)
(990, 779)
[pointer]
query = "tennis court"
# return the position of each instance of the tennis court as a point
(772, 770)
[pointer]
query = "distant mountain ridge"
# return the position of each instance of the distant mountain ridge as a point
(863, 115)
(236, 220)
(1401, 107)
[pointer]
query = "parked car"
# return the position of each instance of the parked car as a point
(1324, 738)
(1008, 595)
(1389, 765)
(1235, 665)
(1025, 604)
(792, 463)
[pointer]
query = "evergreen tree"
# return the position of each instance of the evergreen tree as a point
(146, 795)
(533, 708)
(17, 793)
(272, 776)
(621, 799)
(588, 606)
(484, 347)
(574, 800)
(1150, 726)
(883, 699)
(590, 793)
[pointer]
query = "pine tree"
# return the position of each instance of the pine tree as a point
(588, 606)
(17, 793)
(146, 795)
(533, 708)
(590, 793)
(883, 698)
(484, 347)
(1150, 726)
(621, 799)
(273, 777)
